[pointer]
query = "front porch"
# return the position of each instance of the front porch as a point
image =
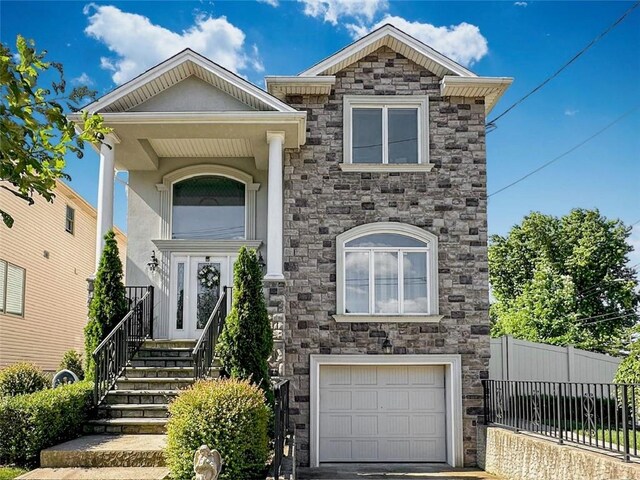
(204, 152)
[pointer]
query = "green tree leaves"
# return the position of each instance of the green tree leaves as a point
(35, 134)
(551, 276)
(246, 342)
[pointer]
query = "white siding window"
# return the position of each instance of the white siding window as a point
(12, 282)
(70, 220)
(386, 133)
(387, 270)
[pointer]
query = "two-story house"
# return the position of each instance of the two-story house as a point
(45, 259)
(362, 181)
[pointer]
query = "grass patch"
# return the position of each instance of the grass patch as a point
(615, 437)
(9, 473)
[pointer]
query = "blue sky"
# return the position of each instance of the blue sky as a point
(104, 44)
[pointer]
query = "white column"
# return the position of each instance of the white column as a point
(106, 182)
(274, 214)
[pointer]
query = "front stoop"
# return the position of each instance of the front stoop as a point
(106, 473)
(104, 457)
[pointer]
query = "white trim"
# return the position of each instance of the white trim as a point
(189, 55)
(281, 86)
(420, 102)
(397, 228)
(386, 318)
(453, 395)
(166, 194)
(205, 246)
(490, 88)
(386, 33)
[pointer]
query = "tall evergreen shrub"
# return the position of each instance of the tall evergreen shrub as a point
(109, 303)
(246, 342)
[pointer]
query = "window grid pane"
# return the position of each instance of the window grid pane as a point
(180, 298)
(402, 126)
(367, 135)
(357, 282)
(415, 282)
(15, 290)
(386, 282)
(70, 219)
(3, 283)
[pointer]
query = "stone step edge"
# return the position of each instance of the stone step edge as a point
(134, 406)
(143, 392)
(155, 379)
(104, 473)
(145, 421)
(102, 458)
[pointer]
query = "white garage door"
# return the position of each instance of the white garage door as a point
(392, 413)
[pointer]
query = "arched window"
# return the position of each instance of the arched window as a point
(387, 269)
(208, 207)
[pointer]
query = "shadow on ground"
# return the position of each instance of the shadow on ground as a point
(391, 472)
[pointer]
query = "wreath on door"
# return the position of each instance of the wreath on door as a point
(209, 276)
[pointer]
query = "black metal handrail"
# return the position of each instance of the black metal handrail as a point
(205, 349)
(603, 416)
(282, 425)
(117, 349)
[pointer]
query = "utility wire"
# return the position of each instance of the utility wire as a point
(571, 150)
(491, 124)
(610, 319)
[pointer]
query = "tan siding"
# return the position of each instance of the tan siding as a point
(55, 288)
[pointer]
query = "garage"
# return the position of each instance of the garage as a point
(381, 413)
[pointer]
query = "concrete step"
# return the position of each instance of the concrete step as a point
(159, 372)
(107, 473)
(169, 383)
(169, 344)
(133, 426)
(140, 396)
(107, 451)
(132, 410)
(177, 352)
(162, 362)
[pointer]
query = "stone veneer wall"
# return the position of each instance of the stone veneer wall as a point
(321, 201)
(274, 296)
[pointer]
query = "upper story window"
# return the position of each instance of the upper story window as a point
(70, 219)
(387, 269)
(385, 133)
(12, 280)
(208, 208)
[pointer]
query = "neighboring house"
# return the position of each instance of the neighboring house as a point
(362, 181)
(45, 259)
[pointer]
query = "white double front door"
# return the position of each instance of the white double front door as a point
(196, 285)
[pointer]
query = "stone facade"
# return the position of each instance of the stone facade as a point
(321, 201)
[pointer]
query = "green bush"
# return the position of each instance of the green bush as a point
(246, 342)
(30, 423)
(109, 302)
(228, 415)
(72, 360)
(22, 378)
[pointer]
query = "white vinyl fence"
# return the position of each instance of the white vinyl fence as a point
(513, 359)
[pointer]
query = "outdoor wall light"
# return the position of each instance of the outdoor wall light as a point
(261, 261)
(387, 347)
(152, 264)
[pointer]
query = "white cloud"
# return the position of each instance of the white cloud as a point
(332, 10)
(570, 112)
(521, 4)
(83, 79)
(463, 42)
(273, 3)
(17, 58)
(138, 44)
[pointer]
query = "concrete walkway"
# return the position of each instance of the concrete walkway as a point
(391, 471)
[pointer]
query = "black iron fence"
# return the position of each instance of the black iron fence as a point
(114, 352)
(599, 415)
(282, 426)
(205, 349)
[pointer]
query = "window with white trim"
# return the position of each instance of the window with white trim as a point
(12, 280)
(70, 220)
(385, 130)
(387, 269)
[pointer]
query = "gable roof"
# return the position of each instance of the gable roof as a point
(397, 40)
(175, 69)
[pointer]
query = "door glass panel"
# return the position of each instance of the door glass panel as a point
(180, 297)
(386, 282)
(208, 207)
(357, 282)
(367, 135)
(415, 283)
(208, 291)
(403, 135)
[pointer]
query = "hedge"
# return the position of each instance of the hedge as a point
(230, 416)
(33, 422)
(22, 378)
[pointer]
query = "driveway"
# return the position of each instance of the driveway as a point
(391, 471)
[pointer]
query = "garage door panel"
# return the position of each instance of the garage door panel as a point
(382, 413)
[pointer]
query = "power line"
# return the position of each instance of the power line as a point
(491, 124)
(610, 319)
(571, 150)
